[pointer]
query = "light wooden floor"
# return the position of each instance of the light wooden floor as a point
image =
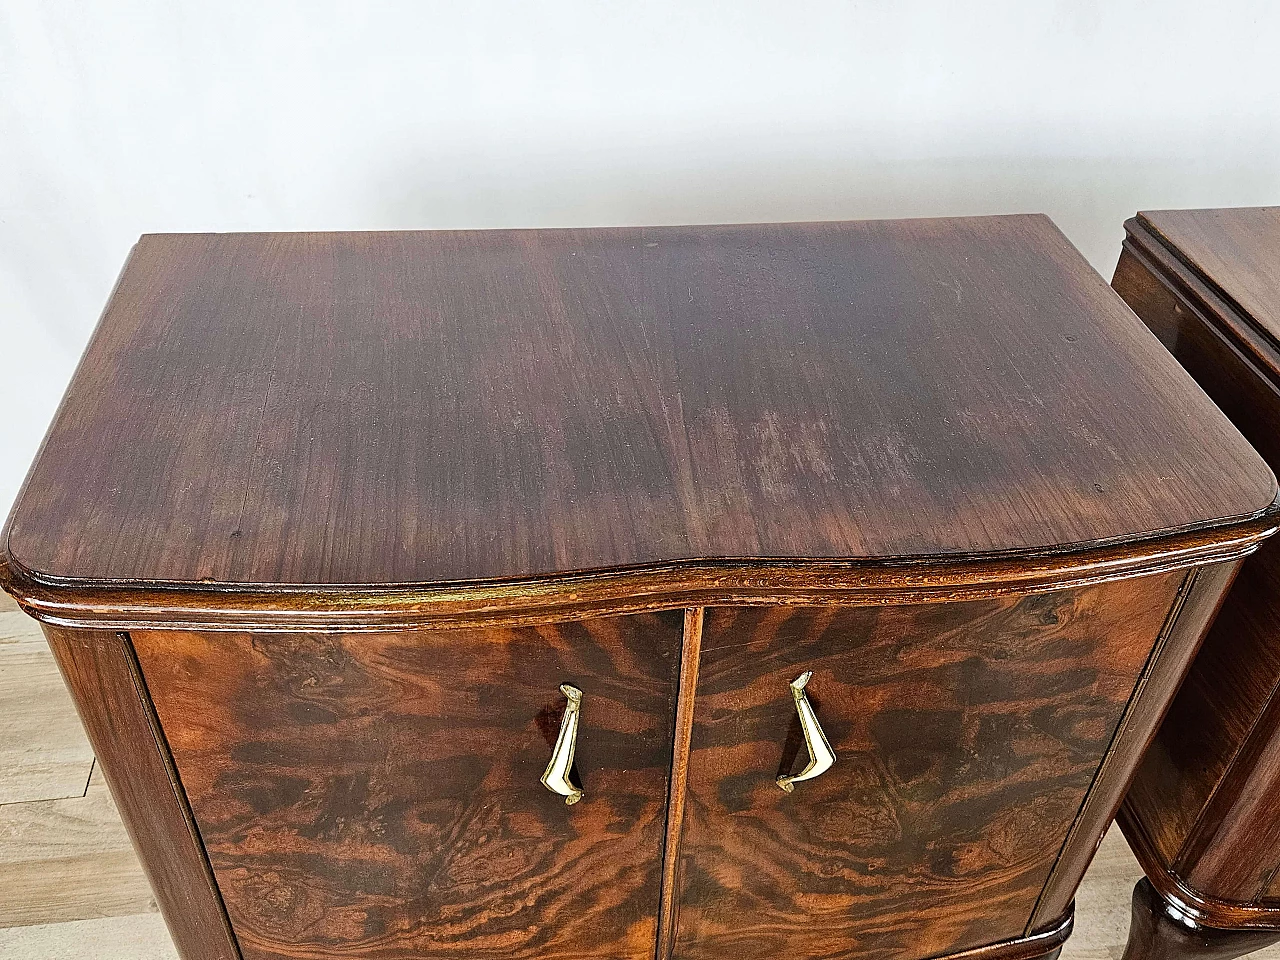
(70, 886)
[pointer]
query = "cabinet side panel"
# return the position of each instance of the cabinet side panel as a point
(967, 735)
(1232, 854)
(100, 670)
(1178, 801)
(1210, 720)
(1198, 600)
(1233, 380)
(378, 796)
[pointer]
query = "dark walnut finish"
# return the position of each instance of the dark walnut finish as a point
(1158, 930)
(396, 408)
(377, 795)
(337, 515)
(967, 735)
(1202, 813)
(102, 673)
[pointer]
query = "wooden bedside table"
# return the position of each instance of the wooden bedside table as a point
(679, 592)
(1203, 815)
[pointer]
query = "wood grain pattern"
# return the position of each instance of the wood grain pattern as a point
(378, 796)
(615, 592)
(1045, 944)
(374, 408)
(1207, 911)
(1238, 669)
(1236, 250)
(1100, 921)
(1202, 813)
(690, 657)
(1234, 852)
(1198, 601)
(967, 735)
(101, 672)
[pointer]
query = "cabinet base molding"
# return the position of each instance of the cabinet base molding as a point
(1195, 908)
(1161, 930)
(1046, 942)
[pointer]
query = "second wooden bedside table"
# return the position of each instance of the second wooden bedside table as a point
(1203, 815)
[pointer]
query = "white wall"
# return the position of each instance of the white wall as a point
(119, 117)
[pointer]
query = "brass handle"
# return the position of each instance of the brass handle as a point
(821, 756)
(556, 777)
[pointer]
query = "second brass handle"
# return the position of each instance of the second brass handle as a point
(556, 777)
(821, 756)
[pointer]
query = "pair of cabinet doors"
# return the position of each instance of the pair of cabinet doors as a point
(380, 795)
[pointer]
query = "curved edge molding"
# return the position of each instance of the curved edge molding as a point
(375, 608)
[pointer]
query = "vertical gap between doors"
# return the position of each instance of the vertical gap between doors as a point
(690, 651)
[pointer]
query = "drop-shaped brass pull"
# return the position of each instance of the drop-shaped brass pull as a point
(556, 777)
(821, 756)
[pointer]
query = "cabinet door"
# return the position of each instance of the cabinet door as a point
(966, 736)
(379, 796)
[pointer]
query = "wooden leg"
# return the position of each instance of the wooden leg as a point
(1158, 931)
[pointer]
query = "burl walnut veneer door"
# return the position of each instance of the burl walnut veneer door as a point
(966, 736)
(378, 795)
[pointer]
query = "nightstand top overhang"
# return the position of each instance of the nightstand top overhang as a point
(1235, 252)
(446, 407)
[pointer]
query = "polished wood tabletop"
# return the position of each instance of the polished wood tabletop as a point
(452, 407)
(1236, 249)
